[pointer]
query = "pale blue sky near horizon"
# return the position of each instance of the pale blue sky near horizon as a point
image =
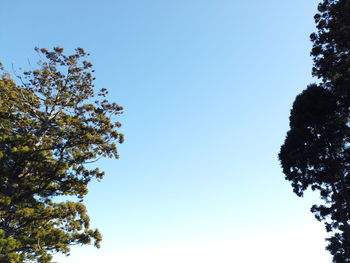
(207, 88)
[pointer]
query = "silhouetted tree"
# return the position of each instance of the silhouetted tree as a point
(51, 125)
(331, 47)
(315, 154)
(316, 151)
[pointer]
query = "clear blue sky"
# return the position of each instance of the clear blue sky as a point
(207, 88)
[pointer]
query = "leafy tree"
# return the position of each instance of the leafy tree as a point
(331, 47)
(316, 151)
(52, 125)
(315, 154)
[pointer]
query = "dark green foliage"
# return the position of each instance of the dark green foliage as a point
(51, 125)
(314, 130)
(315, 154)
(331, 46)
(316, 151)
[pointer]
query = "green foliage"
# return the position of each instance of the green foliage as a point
(316, 152)
(52, 125)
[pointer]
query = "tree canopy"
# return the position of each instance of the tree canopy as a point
(316, 151)
(315, 155)
(52, 124)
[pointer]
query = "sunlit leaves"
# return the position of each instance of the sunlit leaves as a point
(52, 124)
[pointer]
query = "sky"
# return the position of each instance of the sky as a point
(207, 88)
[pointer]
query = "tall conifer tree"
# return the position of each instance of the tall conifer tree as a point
(316, 152)
(52, 124)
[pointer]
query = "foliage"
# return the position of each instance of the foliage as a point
(52, 125)
(315, 155)
(331, 46)
(316, 151)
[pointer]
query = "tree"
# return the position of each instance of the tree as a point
(331, 47)
(52, 125)
(315, 155)
(316, 151)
